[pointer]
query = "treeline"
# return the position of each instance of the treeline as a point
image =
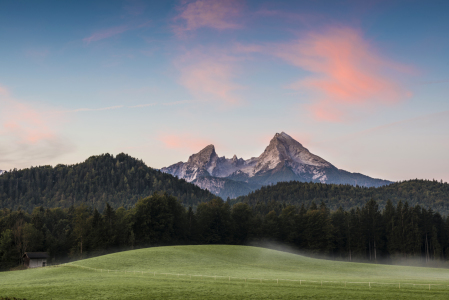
(426, 193)
(366, 233)
(120, 181)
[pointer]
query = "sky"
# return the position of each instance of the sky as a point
(362, 84)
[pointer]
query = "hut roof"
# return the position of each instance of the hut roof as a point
(36, 255)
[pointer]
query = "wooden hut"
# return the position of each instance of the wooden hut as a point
(35, 259)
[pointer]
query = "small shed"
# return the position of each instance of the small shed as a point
(35, 259)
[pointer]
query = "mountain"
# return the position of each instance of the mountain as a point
(2, 171)
(121, 181)
(284, 159)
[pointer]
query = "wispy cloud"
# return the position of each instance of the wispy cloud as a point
(112, 31)
(347, 72)
(177, 102)
(216, 14)
(143, 105)
(93, 109)
(27, 132)
(209, 77)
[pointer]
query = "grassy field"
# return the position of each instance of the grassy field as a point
(241, 273)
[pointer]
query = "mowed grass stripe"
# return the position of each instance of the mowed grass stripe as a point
(275, 275)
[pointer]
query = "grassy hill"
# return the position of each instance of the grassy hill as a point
(246, 272)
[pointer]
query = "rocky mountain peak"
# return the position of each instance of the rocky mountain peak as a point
(284, 159)
(284, 148)
(203, 157)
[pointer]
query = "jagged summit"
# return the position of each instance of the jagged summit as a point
(283, 148)
(284, 159)
(204, 156)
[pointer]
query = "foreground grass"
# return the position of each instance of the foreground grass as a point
(241, 268)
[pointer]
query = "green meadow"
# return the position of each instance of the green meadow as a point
(222, 272)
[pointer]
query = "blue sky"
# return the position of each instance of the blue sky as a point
(363, 84)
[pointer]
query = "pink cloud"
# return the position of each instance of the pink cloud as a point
(209, 77)
(27, 134)
(185, 141)
(22, 121)
(347, 73)
(217, 14)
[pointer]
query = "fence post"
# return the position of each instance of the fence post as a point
(321, 283)
(429, 287)
(277, 281)
(345, 283)
(300, 282)
(229, 278)
(399, 285)
(369, 283)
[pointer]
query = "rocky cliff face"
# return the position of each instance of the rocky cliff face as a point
(2, 171)
(284, 159)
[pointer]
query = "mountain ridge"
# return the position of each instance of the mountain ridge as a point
(119, 180)
(284, 159)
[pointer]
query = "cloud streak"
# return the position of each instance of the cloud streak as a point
(93, 109)
(112, 31)
(209, 77)
(347, 73)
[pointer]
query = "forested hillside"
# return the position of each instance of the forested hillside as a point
(120, 181)
(362, 234)
(427, 194)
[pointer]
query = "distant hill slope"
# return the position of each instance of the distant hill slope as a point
(119, 180)
(283, 160)
(428, 194)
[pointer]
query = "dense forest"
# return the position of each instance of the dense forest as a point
(361, 234)
(120, 181)
(428, 194)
